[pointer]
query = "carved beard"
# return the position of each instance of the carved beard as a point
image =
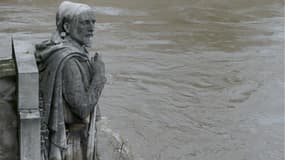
(88, 41)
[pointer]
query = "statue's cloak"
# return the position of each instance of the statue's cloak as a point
(51, 58)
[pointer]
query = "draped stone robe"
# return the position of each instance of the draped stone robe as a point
(69, 95)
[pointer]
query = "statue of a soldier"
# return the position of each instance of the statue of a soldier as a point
(71, 82)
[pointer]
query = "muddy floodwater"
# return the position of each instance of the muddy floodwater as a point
(187, 79)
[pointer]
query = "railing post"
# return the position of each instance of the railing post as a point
(28, 105)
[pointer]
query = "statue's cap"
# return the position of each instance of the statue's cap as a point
(67, 11)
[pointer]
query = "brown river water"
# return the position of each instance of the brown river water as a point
(187, 79)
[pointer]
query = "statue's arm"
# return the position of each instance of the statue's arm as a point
(80, 98)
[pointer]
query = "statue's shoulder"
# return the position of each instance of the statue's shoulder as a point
(51, 50)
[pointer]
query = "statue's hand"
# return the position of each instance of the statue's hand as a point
(98, 65)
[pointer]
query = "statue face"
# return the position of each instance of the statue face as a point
(82, 28)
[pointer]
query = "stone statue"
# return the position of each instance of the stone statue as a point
(71, 82)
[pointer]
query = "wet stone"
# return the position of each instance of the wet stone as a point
(9, 149)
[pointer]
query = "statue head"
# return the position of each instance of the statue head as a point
(76, 21)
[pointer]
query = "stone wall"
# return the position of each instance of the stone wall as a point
(9, 149)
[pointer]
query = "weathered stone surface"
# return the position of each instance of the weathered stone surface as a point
(28, 80)
(110, 145)
(19, 112)
(8, 88)
(9, 149)
(7, 67)
(28, 105)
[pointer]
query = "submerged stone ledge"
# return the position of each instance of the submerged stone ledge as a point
(111, 146)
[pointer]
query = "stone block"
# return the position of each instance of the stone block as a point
(28, 105)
